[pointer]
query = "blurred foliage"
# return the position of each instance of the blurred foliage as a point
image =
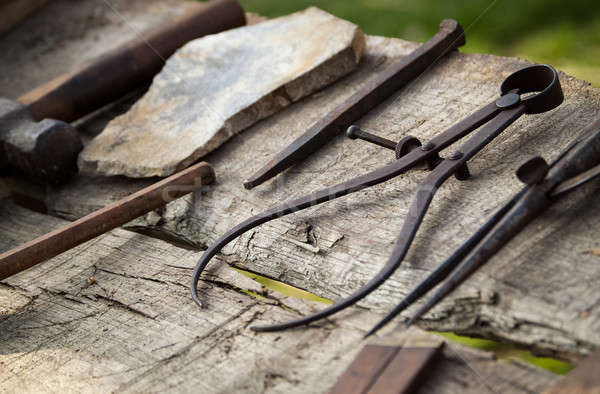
(507, 352)
(282, 288)
(565, 34)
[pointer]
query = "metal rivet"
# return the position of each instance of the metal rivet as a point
(508, 100)
(428, 146)
(353, 132)
(455, 155)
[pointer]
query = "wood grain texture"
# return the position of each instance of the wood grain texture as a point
(113, 315)
(537, 292)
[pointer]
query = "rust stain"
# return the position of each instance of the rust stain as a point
(593, 252)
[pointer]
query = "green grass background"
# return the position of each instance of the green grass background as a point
(563, 33)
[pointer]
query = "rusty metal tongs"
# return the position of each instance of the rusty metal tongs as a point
(545, 184)
(492, 118)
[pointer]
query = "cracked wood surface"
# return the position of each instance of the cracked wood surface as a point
(537, 292)
(113, 315)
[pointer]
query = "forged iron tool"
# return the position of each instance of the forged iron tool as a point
(577, 165)
(379, 88)
(390, 367)
(105, 219)
(531, 90)
(34, 136)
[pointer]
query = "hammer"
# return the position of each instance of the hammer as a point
(35, 136)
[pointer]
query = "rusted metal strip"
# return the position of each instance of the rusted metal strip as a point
(365, 369)
(129, 67)
(377, 89)
(105, 219)
(406, 371)
(12, 13)
(382, 369)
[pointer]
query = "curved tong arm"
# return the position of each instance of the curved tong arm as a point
(373, 178)
(445, 268)
(416, 213)
(380, 175)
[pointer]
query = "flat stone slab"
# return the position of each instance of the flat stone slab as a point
(219, 85)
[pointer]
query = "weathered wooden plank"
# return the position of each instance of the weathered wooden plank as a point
(536, 292)
(113, 315)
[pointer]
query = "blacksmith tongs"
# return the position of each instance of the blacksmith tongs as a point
(514, 101)
(545, 184)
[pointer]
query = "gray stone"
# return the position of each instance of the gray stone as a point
(219, 85)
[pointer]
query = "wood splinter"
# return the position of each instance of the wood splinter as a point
(105, 219)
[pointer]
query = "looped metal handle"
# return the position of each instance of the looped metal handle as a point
(540, 78)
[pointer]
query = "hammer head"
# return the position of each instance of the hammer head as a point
(46, 150)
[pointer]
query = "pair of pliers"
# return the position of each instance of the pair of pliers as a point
(531, 90)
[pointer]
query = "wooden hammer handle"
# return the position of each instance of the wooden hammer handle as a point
(105, 219)
(128, 67)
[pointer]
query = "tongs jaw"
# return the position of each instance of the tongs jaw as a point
(490, 121)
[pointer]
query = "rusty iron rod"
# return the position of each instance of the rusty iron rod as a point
(105, 219)
(130, 66)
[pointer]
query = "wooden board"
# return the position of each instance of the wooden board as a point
(537, 292)
(113, 315)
